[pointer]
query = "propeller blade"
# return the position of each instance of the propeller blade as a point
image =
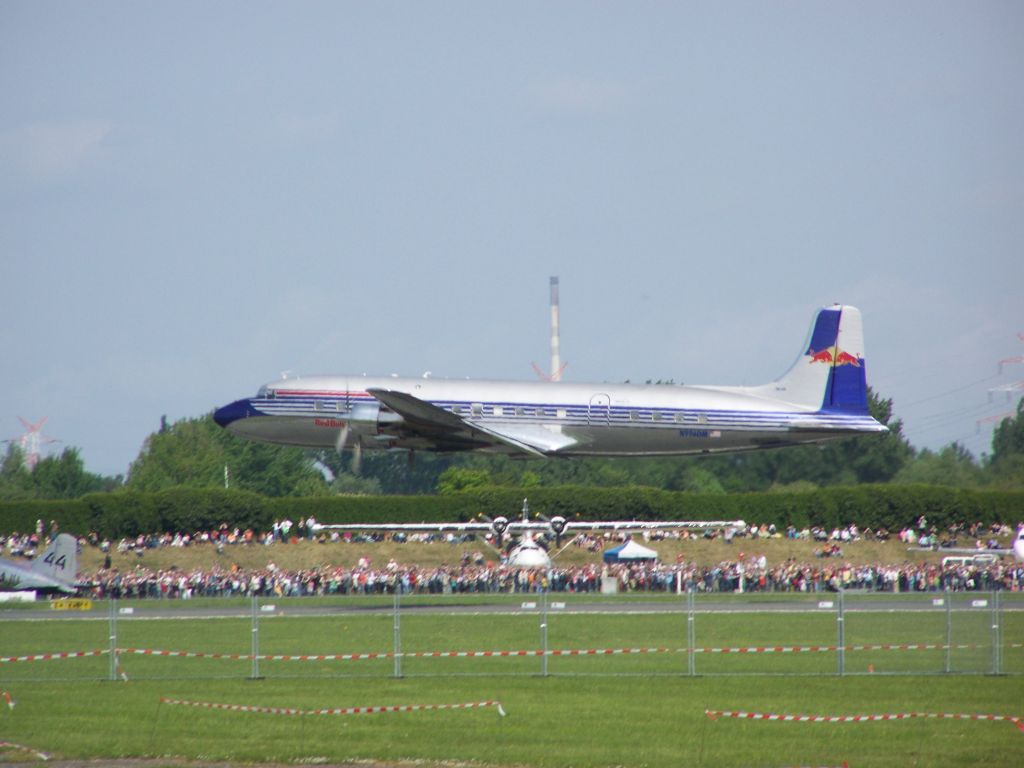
(357, 457)
(339, 444)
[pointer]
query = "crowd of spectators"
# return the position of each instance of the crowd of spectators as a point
(475, 573)
(727, 576)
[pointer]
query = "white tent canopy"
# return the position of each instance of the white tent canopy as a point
(630, 551)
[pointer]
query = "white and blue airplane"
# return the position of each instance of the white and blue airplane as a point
(52, 571)
(529, 549)
(979, 555)
(823, 396)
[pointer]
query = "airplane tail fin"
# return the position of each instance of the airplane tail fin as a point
(830, 373)
(60, 560)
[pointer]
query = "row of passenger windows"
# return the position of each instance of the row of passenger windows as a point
(478, 410)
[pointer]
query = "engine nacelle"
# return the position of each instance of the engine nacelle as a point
(499, 525)
(558, 524)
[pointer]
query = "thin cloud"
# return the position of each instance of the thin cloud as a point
(47, 150)
(582, 95)
(309, 128)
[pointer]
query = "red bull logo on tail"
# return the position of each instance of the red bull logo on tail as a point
(834, 355)
(821, 356)
(845, 358)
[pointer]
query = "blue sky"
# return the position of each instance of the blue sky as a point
(195, 197)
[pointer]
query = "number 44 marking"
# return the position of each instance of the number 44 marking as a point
(54, 561)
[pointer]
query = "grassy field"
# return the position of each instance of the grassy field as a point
(309, 554)
(637, 710)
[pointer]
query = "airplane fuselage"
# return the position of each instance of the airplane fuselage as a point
(592, 420)
(14, 577)
(821, 397)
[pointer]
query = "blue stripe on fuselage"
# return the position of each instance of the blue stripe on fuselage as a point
(575, 415)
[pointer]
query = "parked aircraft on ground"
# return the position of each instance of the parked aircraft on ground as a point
(529, 550)
(982, 553)
(823, 396)
(53, 571)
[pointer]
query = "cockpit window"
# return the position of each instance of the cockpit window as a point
(266, 392)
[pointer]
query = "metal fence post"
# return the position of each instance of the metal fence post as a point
(398, 632)
(997, 641)
(691, 634)
(255, 638)
(544, 632)
(113, 638)
(840, 620)
(949, 630)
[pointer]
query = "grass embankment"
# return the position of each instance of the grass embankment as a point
(306, 554)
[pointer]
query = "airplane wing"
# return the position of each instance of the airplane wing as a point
(653, 525)
(559, 525)
(406, 527)
(443, 427)
(962, 550)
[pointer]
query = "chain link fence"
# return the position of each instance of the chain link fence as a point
(842, 633)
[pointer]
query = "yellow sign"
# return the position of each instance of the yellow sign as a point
(71, 604)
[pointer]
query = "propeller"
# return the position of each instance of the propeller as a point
(339, 444)
(558, 524)
(499, 525)
(357, 448)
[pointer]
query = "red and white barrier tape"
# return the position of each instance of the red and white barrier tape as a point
(8, 699)
(332, 710)
(52, 656)
(12, 745)
(834, 648)
(390, 655)
(554, 652)
(715, 714)
(500, 654)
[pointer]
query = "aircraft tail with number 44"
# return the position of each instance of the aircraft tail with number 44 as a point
(53, 571)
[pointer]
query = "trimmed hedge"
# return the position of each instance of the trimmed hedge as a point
(125, 513)
(21, 516)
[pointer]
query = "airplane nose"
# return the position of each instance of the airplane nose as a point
(240, 409)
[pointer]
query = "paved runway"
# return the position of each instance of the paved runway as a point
(528, 604)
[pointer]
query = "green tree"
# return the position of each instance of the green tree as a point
(953, 466)
(65, 477)
(697, 479)
(15, 479)
(457, 479)
(393, 472)
(196, 453)
(54, 477)
(187, 454)
(348, 483)
(1005, 467)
